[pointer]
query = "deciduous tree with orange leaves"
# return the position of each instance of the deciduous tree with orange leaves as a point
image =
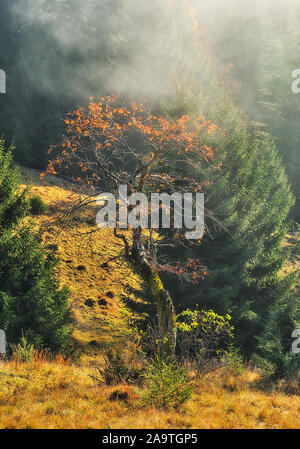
(114, 142)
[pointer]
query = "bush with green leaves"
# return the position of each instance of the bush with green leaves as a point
(31, 302)
(167, 384)
(201, 337)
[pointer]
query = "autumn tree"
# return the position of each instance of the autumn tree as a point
(112, 142)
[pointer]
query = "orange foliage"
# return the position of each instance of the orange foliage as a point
(107, 125)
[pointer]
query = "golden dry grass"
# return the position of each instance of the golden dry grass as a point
(56, 395)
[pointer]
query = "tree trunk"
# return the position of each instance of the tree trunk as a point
(164, 305)
(166, 316)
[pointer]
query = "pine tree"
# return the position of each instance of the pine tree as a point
(31, 302)
(251, 199)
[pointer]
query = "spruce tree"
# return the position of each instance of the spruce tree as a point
(31, 302)
(251, 199)
(244, 256)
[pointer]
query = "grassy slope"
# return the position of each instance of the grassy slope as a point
(96, 293)
(57, 395)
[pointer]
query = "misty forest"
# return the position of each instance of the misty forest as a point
(128, 327)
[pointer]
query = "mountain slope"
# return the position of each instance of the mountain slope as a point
(96, 292)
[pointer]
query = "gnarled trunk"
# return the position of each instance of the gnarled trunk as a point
(166, 316)
(164, 305)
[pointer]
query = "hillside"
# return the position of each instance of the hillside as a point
(61, 394)
(95, 293)
(185, 314)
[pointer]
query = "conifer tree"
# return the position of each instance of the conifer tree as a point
(31, 302)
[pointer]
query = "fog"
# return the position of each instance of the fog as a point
(144, 48)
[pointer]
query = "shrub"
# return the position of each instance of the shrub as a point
(233, 362)
(200, 337)
(121, 366)
(233, 368)
(167, 385)
(37, 205)
(280, 366)
(23, 351)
